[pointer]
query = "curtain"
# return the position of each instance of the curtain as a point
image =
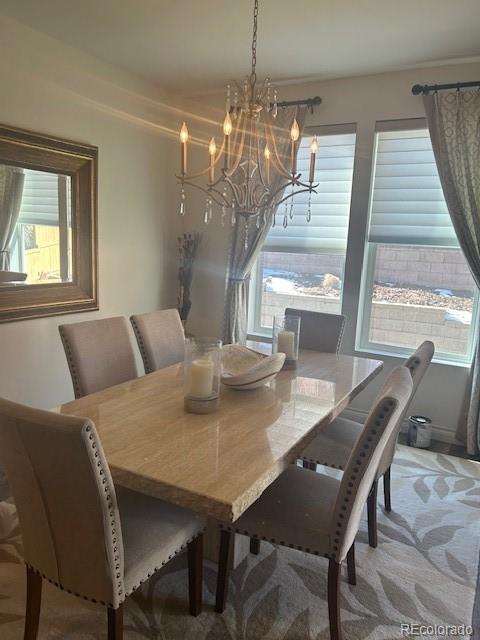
(11, 190)
(454, 124)
(247, 240)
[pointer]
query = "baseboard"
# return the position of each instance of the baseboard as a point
(441, 434)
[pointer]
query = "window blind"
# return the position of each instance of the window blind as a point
(40, 198)
(330, 209)
(407, 205)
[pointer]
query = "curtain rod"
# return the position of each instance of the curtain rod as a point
(425, 89)
(308, 102)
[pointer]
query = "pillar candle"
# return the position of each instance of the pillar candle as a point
(286, 344)
(201, 378)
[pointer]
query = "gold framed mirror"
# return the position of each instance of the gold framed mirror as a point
(48, 225)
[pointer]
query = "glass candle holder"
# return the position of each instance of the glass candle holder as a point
(286, 331)
(202, 370)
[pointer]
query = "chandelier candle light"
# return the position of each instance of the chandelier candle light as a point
(248, 175)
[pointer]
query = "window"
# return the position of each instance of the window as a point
(416, 284)
(302, 266)
(43, 226)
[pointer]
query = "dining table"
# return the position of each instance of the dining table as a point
(219, 463)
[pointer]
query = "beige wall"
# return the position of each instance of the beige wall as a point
(363, 101)
(52, 89)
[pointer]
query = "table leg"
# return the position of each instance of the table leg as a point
(211, 539)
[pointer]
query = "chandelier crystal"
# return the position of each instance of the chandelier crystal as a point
(255, 168)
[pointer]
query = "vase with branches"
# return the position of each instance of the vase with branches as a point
(188, 244)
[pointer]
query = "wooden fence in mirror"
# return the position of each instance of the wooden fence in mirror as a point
(48, 226)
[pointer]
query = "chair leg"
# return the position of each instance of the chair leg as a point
(115, 623)
(334, 600)
(34, 601)
(223, 570)
(195, 571)
(372, 515)
(352, 574)
(254, 546)
(386, 490)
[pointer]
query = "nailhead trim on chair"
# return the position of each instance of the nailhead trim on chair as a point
(170, 557)
(273, 540)
(127, 594)
(381, 416)
(412, 364)
(73, 593)
(323, 464)
(71, 364)
(141, 345)
(111, 513)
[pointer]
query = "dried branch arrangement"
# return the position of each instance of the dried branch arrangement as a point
(188, 244)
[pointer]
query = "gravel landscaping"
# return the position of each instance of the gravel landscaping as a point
(312, 285)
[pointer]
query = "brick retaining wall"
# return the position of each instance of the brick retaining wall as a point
(414, 266)
(397, 324)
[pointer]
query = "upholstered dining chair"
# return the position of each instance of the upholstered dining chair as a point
(79, 531)
(319, 331)
(99, 354)
(319, 514)
(334, 444)
(160, 338)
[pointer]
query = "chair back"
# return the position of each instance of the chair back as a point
(417, 364)
(361, 468)
(65, 499)
(160, 338)
(319, 331)
(99, 354)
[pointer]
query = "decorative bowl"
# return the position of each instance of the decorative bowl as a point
(246, 369)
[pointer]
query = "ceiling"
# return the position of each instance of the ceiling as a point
(190, 46)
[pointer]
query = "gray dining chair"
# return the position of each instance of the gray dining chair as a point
(99, 354)
(80, 532)
(160, 338)
(334, 444)
(319, 331)
(319, 514)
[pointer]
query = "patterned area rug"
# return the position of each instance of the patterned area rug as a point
(423, 571)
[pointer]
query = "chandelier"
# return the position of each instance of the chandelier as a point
(255, 168)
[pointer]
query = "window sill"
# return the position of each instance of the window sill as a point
(260, 336)
(402, 355)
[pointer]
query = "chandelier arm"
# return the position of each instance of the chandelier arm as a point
(282, 188)
(277, 159)
(238, 158)
(307, 185)
(291, 194)
(234, 189)
(258, 199)
(260, 165)
(237, 129)
(220, 152)
(220, 200)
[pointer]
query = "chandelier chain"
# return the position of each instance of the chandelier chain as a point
(253, 77)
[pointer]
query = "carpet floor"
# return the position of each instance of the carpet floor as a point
(423, 571)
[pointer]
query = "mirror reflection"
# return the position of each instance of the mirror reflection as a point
(35, 227)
